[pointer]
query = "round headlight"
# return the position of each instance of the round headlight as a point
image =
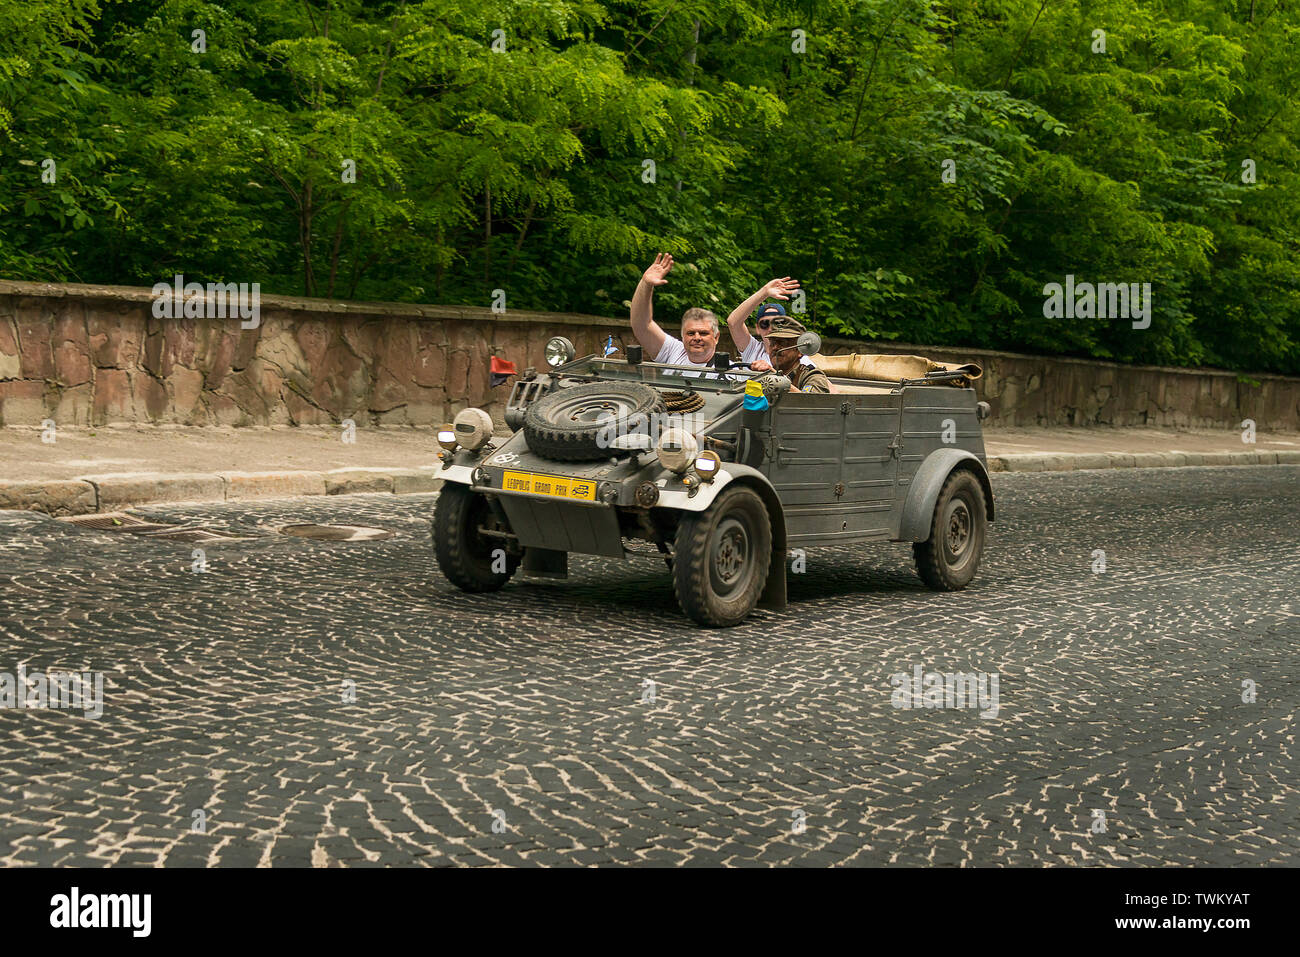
(447, 437)
(707, 465)
(559, 351)
(677, 449)
(473, 428)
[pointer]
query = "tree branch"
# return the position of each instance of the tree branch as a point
(487, 231)
(1006, 84)
(523, 231)
(652, 30)
(870, 71)
(338, 241)
(297, 200)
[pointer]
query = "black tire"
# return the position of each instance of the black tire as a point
(572, 425)
(464, 555)
(949, 558)
(721, 558)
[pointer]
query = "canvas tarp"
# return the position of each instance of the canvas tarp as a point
(892, 368)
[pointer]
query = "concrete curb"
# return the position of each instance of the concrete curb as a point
(53, 498)
(87, 494)
(1075, 461)
(123, 489)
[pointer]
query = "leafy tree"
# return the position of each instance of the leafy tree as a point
(925, 167)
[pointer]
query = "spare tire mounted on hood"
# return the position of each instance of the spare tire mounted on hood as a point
(576, 424)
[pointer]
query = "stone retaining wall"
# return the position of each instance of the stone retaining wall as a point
(91, 355)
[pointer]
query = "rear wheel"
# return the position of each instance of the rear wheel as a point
(471, 561)
(949, 558)
(721, 558)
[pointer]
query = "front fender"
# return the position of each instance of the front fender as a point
(460, 474)
(918, 509)
(774, 589)
(730, 472)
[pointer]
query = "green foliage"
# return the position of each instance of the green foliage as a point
(925, 168)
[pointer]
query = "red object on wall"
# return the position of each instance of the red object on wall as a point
(502, 369)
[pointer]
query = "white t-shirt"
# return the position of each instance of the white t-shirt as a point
(673, 353)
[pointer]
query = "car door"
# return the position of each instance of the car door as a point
(834, 467)
(872, 439)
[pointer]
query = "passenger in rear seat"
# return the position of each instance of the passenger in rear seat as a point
(751, 346)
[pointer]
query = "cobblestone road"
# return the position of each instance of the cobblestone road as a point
(1120, 694)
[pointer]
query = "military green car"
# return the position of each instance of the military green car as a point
(720, 471)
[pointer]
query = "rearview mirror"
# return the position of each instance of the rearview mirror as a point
(809, 343)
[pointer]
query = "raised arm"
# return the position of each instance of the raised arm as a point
(644, 327)
(776, 289)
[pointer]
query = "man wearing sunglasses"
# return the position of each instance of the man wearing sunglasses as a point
(700, 331)
(751, 347)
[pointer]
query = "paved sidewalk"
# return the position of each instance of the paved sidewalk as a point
(1062, 449)
(90, 470)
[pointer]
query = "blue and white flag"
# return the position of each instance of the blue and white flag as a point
(609, 346)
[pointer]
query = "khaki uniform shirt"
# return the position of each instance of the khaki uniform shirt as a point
(809, 379)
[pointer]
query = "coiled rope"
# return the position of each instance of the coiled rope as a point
(683, 401)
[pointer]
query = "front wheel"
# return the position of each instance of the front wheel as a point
(721, 558)
(471, 561)
(949, 558)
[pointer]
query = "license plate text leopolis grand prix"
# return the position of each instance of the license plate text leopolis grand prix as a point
(554, 485)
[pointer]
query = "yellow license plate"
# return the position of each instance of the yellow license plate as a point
(553, 485)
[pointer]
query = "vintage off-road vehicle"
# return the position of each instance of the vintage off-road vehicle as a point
(722, 471)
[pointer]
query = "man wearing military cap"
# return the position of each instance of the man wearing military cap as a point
(784, 356)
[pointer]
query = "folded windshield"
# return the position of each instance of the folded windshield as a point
(654, 372)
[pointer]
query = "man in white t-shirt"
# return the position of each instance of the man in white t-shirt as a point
(700, 330)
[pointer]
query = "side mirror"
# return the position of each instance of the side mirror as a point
(634, 355)
(722, 361)
(809, 343)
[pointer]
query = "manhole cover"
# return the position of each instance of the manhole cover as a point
(337, 533)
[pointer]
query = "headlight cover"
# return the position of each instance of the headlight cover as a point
(473, 428)
(677, 450)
